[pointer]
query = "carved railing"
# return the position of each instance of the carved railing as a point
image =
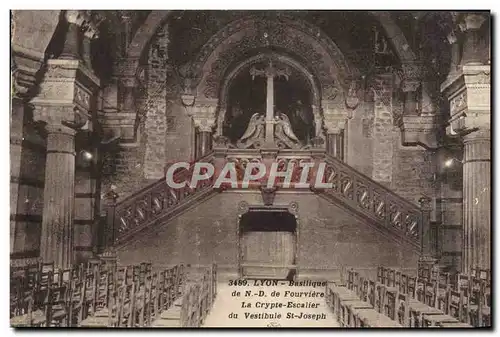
(362, 196)
(374, 201)
(154, 203)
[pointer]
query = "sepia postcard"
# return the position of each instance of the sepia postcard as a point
(250, 168)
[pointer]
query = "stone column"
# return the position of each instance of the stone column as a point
(455, 54)
(335, 144)
(335, 120)
(56, 243)
(427, 255)
(470, 118)
(477, 201)
(473, 51)
(71, 48)
(203, 114)
(204, 139)
(16, 140)
(89, 34)
(63, 105)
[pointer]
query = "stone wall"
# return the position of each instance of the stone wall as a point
(155, 107)
(359, 142)
(374, 145)
(27, 160)
(329, 237)
(412, 171)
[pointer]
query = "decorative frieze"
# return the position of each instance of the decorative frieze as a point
(469, 97)
(67, 84)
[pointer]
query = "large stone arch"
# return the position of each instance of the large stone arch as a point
(157, 18)
(303, 40)
(396, 37)
(145, 33)
(233, 72)
(31, 32)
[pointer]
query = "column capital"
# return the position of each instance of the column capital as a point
(85, 20)
(57, 116)
(335, 115)
(471, 20)
(335, 126)
(65, 95)
(204, 124)
(469, 97)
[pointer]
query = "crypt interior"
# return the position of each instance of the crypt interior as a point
(397, 104)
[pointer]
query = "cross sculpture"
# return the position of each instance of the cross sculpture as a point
(270, 72)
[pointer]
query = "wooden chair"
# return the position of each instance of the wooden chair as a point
(118, 313)
(455, 305)
(57, 306)
(77, 303)
(404, 284)
(26, 316)
(349, 307)
(479, 309)
(153, 309)
(370, 317)
(398, 280)
(402, 309)
(441, 294)
(143, 286)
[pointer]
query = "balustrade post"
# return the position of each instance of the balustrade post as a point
(110, 207)
(427, 258)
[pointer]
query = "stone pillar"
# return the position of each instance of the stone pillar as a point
(16, 141)
(477, 201)
(89, 34)
(426, 235)
(64, 106)
(335, 144)
(473, 50)
(203, 115)
(71, 48)
(335, 120)
(56, 243)
(203, 142)
(455, 54)
(470, 118)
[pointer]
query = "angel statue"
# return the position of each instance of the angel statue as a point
(254, 134)
(284, 133)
